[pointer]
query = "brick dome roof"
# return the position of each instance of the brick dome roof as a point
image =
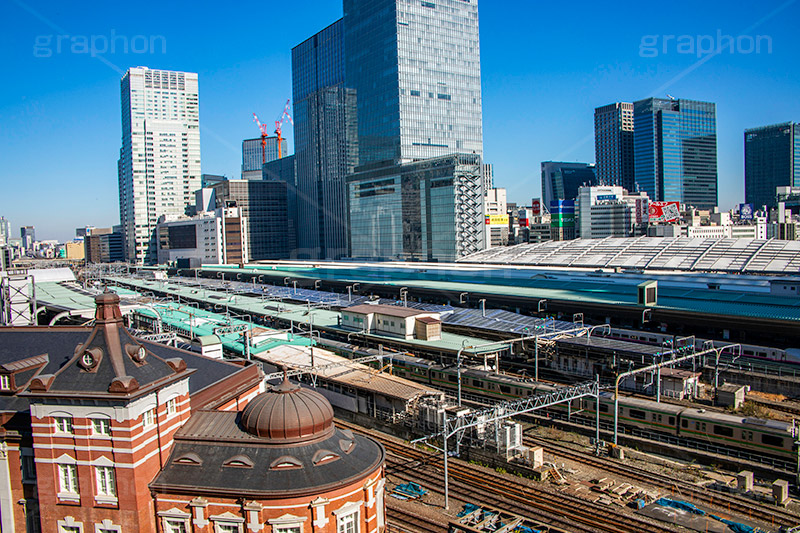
(288, 414)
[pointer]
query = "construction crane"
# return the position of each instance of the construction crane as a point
(264, 134)
(285, 117)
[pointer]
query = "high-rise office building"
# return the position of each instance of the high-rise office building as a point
(254, 155)
(675, 150)
(326, 142)
(265, 206)
(613, 145)
(561, 180)
(430, 210)
(5, 230)
(159, 164)
(28, 235)
(488, 176)
(771, 160)
(415, 67)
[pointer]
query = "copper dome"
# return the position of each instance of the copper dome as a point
(287, 414)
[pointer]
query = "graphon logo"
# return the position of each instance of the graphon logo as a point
(98, 45)
(703, 45)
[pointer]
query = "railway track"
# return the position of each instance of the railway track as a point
(470, 485)
(722, 500)
(401, 522)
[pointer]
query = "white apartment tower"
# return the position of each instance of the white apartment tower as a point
(159, 163)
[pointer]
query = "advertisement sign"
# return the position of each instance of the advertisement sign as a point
(641, 210)
(604, 197)
(746, 211)
(497, 220)
(536, 207)
(664, 211)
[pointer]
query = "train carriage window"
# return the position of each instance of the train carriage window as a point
(453, 379)
(603, 408)
(477, 383)
(671, 421)
(704, 426)
(723, 431)
(697, 426)
(772, 440)
(505, 389)
(635, 413)
(685, 423)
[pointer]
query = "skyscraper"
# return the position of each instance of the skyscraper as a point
(254, 155)
(159, 164)
(613, 145)
(5, 230)
(430, 210)
(561, 180)
(415, 67)
(675, 150)
(326, 142)
(28, 236)
(771, 160)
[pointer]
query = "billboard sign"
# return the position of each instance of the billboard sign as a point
(664, 211)
(746, 211)
(497, 220)
(536, 207)
(641, 210)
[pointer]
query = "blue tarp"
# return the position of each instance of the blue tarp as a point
(678, 504)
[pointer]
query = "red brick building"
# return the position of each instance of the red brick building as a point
(279, 466)
(88, 417)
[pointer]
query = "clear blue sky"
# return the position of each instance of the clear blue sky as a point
(545, 67)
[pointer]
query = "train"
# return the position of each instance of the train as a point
(748, 350)
(755, 435)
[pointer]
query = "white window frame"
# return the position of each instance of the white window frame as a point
(174, 525)
(64, 425)
(5, 382)
(106, 484)
(68, 483)
(149, 418)
(69, 525)
(105, 427)
(107, 526)
(175, 515)
(220, 524)
(172, 406)
(344, 513)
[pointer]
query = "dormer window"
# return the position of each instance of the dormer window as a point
(323, 457)
(189, 459)
(241, 461)
(64, 424)
(5, 382)
(285, 462)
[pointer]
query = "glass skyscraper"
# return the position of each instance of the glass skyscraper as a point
(430, 210)
(675, 150)
(254, 155)
(326, 143)
(561, 180)
(415, 66)
(613, 145)
(771, 160)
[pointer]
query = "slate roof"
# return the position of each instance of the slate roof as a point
(215, 437)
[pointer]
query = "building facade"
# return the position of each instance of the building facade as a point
(326, 142)
(89, 416)
(159, 164)
(265, 205)
(255, 155)
(675, 150)
(604, 211)
(28, 236)
(208, 238)
(415, 67)
(5, 231)
(561, 180)
(104, 245)
(771, 160)
(431, 210)
(613, 145)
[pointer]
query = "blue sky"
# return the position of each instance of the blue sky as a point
(545, 67)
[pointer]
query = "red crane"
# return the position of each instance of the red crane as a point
(285, 117)
(264, 134)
